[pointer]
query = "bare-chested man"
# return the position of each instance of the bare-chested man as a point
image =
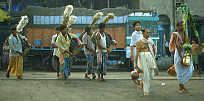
(145, 50)
(183, 73)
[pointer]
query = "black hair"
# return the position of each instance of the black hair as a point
(135, 22)
(179, 22)
(143, 30)
(57, 27)
(87, 29)
(194, 39)
(13, 28)
(62, 27)
(101, 25)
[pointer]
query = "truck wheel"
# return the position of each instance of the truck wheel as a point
(54, 64)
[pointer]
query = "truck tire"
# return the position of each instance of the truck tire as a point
(54, 63)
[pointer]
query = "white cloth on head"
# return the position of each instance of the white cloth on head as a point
(183, 73)
(54, 43)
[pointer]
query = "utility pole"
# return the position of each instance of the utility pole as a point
(108, 4)
(10, 5)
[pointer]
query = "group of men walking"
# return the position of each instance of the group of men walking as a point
(143, 56)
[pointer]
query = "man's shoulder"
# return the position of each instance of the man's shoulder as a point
(72, 35)
(55, 35)
(139, 41)
(85, 35)
(136, 33)
(10, 37)
(59, 36)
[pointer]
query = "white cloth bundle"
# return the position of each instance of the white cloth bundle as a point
(22, 23)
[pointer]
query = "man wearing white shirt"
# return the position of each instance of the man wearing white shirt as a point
(54, 45)
(136, 35)
(15, 67)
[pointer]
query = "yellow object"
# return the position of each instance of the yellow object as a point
(3, 15)
(203, 44)
(64, 44)
(187, 59)
(16, 65)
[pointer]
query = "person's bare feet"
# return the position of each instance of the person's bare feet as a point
(139, 86)
(141, 83)
(185, 90)
(65, 82)
(94, 77)
(180, 92)
(86, 77)
(145, 94)
(103, 80)
(58, 77)
(7, 75)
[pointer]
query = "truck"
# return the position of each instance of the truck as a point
(42, 21)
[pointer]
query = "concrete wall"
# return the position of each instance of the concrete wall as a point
(196, 7)
(162, 7)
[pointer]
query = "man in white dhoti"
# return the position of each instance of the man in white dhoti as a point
(145, 51)
(184, 73)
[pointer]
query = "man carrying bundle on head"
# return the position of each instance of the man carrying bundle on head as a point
(15, 67)
(63, 43)
(102, 51)
(89, 52)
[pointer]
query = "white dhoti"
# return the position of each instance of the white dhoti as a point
(183, 73)
(147, 64)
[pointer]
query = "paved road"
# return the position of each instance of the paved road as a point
(42, 86)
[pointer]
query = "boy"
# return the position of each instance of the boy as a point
(63, 43)
(136, 35)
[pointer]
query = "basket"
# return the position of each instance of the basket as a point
(171, 71)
